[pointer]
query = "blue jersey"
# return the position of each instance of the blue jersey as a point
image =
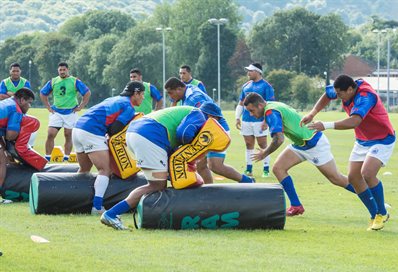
(261, 87)
(10, 116)
(80, 87)
(200, 84)
(98, 118)
(193, 97)
(3, 87)
(155, 132)
(155, 94)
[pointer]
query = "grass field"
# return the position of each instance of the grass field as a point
(330, 236)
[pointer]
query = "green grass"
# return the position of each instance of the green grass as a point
(330, 236)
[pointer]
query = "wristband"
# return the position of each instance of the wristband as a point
(328, 125)
(238, 111)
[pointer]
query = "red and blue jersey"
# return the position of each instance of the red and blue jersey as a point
(10, 116)
(261, 87)
(375, 127)
(98, 118)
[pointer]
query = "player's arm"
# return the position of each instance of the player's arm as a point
(157, 96)
(322, 102)
(85, 93)
(275, 122)
(190, 126)
(44, 93)
(3, 91)
(362, 105)
(13, 126)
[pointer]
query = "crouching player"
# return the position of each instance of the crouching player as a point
(16, 129)
(153, 138)
(308, 145)
(89, 135)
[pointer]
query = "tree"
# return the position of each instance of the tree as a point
(141, 48)
(186, 21)
(281, 82)
(302, 87)
(207, 64)
(294, 40)
(96, 23)
(52, 49)
(333, 40)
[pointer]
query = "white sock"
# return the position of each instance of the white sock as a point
(267, 161)
(100, 185)
(249, 153)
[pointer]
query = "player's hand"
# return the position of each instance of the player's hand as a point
(306, 119)
(264, 126)
(78, 108)
(238, 124)
(259, 156)
(50, 109)
(318, 126)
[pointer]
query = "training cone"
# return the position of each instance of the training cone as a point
(57, 155)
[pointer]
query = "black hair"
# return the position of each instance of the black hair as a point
(186, 67)
(253, 98)
(24, 93)
(136, 71)
(15, 64)
(173, 83)
(64, 64)
(343, 82)
(258, 65)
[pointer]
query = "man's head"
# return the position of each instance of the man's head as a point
(134, 90)
(15, 71)
(175, 88)
(345, 87)
(211, 109)
(185, 73)
(135, 75)
(63, 70)
(254, 71)
(24, 98)
(255, 104)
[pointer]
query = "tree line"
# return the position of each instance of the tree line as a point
(295, 46)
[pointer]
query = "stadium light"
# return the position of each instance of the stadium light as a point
(378, 55)
(164, 61)
(218, 22)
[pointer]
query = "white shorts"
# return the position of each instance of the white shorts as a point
(378, 151)
(87, 142)
(318, 155)
(147, 154)
(58, 120)
(253, 129)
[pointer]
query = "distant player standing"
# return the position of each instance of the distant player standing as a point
(63, 113)
(253, 128)
(151, 93)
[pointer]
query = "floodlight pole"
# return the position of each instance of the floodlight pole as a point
(164, 61)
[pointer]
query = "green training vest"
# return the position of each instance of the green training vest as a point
(291, 123)
(195, 82)
(64, 92)
(171, 118)
(11, 87)
(146, 105)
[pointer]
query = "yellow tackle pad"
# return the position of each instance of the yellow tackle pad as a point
(123, 163)
(212, 137)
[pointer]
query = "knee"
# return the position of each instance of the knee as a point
(215, 167)
(367, 174)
